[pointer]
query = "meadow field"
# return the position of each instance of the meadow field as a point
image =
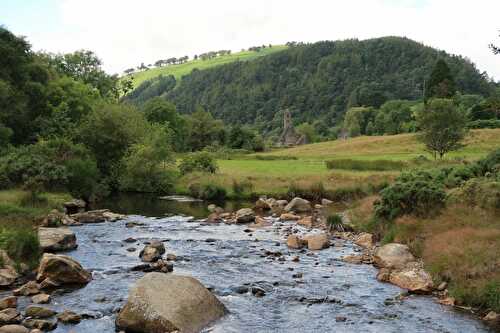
(274, 171)
(183, 69)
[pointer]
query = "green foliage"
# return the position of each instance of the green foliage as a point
(242, 189)
(394, 117)
(309, 131)
(441, 82)
(21, 244)
(245, 138)
(275, 157)
(443, 126)
(363, 165)
(416, 197)
(145, 164)
(82, 178)
(334, 222)
(321, 80)
(207, 191)
(199, 161)
(109, 131)
(204, 130)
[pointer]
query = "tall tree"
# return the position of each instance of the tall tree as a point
(442, 125)
(441, 83)
(495, 48)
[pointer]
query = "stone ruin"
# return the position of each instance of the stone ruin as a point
(290, 137)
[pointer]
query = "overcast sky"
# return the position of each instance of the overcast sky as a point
(125, 33)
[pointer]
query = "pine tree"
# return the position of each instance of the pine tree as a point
(441, 83)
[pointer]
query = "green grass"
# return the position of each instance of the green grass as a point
(305, 165)
(358, 165)
(19, 211)
(183, 69)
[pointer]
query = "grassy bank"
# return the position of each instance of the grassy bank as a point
(359, 162)
(19, 212)
(183, 69)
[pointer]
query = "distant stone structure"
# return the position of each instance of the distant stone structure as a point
(290, 137)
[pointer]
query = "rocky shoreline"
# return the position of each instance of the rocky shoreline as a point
(301, 224)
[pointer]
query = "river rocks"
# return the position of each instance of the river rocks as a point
(97, 216)
(261, 222)
(365, 240)
(214, 218)
(14, 329)
(326, 202)
(215, 209)
(61, 269)
(41, 299)
(449, 301)
(413, 279)
(8, 302)
(306, 222)
(353, 259)
(39, 312)
(41, 324)
(74, 206)
(9, 316)
(289, 217)
(492, 317)
(263, 204)
(56, 239)
(8, 276)
(393, 255)
(168, 303)
(152, 252)
(69, 317)
(28, 289)
(298, 205)
(317, 241)
(245, 215)
(295, 242)
(56, 219)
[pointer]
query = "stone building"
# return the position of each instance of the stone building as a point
(290, 137)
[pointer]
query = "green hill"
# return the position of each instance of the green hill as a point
(316, 82)
(183, 69)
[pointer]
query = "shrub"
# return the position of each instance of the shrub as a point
(82, 178)
(207, 191)
(334, 222)
(274, 157)
(21, 244)
(361, 165)
(199, 161)
(240, 188)
(417, 197)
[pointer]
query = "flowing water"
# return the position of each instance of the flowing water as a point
(225, 258)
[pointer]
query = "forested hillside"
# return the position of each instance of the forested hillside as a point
(315, 81)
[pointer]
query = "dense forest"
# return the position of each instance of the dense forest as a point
(317, 81)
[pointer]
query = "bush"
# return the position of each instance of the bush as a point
(484, 123)
(417, 197)
(82, 178)
(274, 157)
(21, 244)
(207, 192)
(315, 192)
(240, 188)
(334, 222)
(199, 161)
(361, 165)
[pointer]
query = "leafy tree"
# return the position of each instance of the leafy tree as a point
(308, 131)
(198, 161)
(442, 126)
(356, 119)
(85, 66)
(146, 164)
(394, 117)
(204, 130)
(441, 83)
(109, 131)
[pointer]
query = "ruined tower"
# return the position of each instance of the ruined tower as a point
(290, 137)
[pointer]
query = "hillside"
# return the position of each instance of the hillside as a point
(315, 81)
(183, 69)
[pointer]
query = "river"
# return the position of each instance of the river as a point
(331, 296)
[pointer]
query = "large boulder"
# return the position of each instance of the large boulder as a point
(152, 252)
(56, 219)
(8, 276)
(263, 203)
(295, 242)
(392, 256)
(8, 302)
(9, 316)
(167, 303)
(61, 269)
(97, 216)
(56, 239)
(298, 205)
(14, 329)
(245, 215)
(365, 240)
(74, 206)
(414, 279)
(317, 241)
(39, 312)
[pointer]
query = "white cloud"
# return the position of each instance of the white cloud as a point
(126, 32)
